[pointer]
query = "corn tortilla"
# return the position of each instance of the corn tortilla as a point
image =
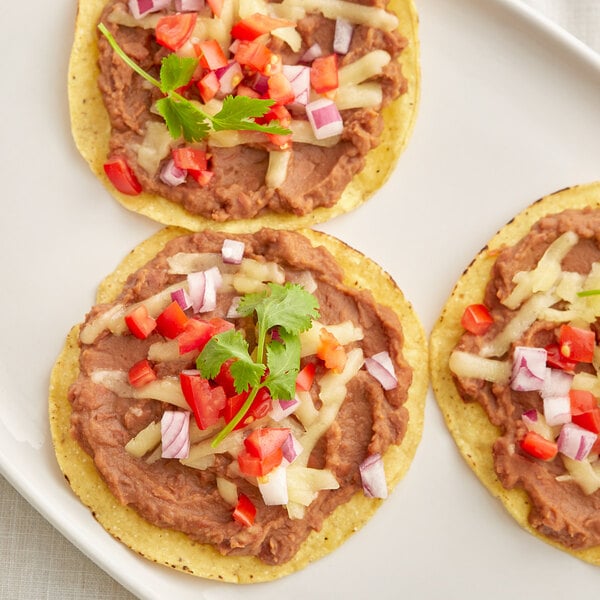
(91, 131)
(173, 548)
(467, 421)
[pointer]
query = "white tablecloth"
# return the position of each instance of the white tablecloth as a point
(37, 562)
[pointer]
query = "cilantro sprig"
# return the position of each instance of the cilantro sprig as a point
(585, 293)
(274, 363)
(185, 118)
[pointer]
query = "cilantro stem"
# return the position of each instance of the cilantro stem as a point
(236, 419)
(584, 293)
(128, 61)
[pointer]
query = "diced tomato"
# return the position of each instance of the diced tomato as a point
(244, 511)
(122, 176)
(538, 446)
(202, 177)
(305, 377)
(476, 319)
(324, 73)
(139, 322)
(330, 351)
(205, 401)
(197, 332)
(190, 159)
(280, 89)
(225, 379)
(576, 343)
(256, 25)
(216, 6)
(211, 54)
(208, 86)
(141, 373)
(171, 321)
(277, 112)
(589, 420)
(265, 440)
(255, 466)
(582, 401)
(257, 56)
(260, 407)
(172, 31)
(556, 360)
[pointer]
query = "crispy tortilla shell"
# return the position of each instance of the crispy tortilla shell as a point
(467, 421)
(91, 131)
(176, 550)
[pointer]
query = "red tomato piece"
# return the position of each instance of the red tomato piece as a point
(256, 25)
(255, 466)
(306, 377)
(211, 54)
(141, 373)
(476, 319)
(589, 420)
(576, 343)
(265, 440)
(190, 159)
(172, 31)
(171, 321)
(244, 511)
(139, 322)
(582, 401)
(538, 446)
(205, 401)
(555, 359)
(324, 73)
(225, 379)
(260, 407)
(331, 352)
(258, 57)
(122, 176)
(208, 86)
(202, 177)
(280, 89)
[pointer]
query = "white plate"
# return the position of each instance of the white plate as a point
(509, 113)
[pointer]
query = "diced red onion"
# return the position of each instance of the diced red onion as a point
(342, 36)
(556, 383)
(291, 448)
(315, 51)
(557, 410)
(229, 77)
(203, 287)
(529, 369)
(189, 5)
(273, 487)
(575, 442)
(140, 8)
(530, 418)
(232, 251)
(260, 83)
(181, 297)
(325, 118)
(172, 175)
(175, 434)
(299, 77)
(372, 475)
(283, 408)
(381, 367)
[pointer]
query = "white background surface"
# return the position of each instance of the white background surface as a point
(509, 112)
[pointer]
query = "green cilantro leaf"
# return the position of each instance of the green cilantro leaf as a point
(223, 347)
(283, 364)
(184, 118)
(176, 71)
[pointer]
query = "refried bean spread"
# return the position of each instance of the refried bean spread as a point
(108, 412)
(543, 296)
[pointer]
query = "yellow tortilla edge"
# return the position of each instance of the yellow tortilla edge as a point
(90, 128)
(467, 422)
(176, 550)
